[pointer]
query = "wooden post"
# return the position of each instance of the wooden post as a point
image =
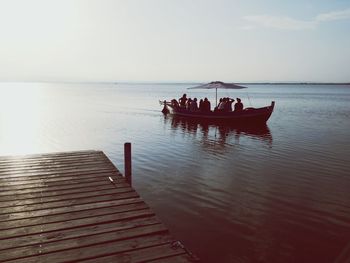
(127, 162)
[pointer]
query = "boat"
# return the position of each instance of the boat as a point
(248, 115)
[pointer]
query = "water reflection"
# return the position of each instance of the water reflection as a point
(222, 133)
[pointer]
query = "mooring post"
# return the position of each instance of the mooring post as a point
(127, 161)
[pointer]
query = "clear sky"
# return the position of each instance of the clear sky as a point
(175, 40)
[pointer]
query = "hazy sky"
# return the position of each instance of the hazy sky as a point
(174, 40)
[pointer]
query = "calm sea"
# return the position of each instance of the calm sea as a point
(280, 193)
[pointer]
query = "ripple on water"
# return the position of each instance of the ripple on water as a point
(278, 193)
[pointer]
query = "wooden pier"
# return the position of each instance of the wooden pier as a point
(76, 206)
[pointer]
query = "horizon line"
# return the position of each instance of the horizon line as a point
(188, 82)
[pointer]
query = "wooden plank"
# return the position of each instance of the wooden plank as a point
(98, 250)
(57, 175)
(62, 192)
(50, 161)
(47, 185)
(115, 214)
(20, 167)
(47, 162)
(62, 162)
(56, 188)
(64, 234)
(27, 164)
(51, 155)
(75, 196)
(162, 253)
(73, 202)
(52, 181)
(83, 241)
(54, 168)
(73, 168)
(71, 208)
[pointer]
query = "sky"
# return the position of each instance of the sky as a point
(175, 40)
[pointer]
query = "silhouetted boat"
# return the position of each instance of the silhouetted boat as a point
(246, 116)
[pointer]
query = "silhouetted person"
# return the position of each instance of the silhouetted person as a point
(183, 101)
(228, 104)
(201, 109)
(174, 103)
(217, 106)
(206, 105)
(238, 105)
(188, 104)
(222, 103)
(193, 105)
(165, 109)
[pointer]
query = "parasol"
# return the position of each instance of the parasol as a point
(218, 85)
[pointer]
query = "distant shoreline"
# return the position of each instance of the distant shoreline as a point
(295, 83)
(239, 83)
(180, 83)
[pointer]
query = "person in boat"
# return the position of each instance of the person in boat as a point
(224, 105)
(194, 105)
(174, 103)
(228, 104)
(201, 105)
(188, 103)
(217, 106)
(182, 101)
(221, 105)
(238, 105)
(206, 105)
(165, 109)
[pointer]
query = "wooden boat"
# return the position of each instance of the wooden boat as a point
(246, 116)
(250, 115)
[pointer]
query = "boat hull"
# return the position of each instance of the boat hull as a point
(247, 116)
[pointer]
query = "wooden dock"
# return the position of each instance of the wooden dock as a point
(63, 207)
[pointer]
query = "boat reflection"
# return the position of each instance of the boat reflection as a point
(210, 132)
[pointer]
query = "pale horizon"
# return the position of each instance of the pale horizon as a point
(174, 41)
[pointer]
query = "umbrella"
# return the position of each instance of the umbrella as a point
(218, 85)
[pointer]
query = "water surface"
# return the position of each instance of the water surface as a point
(279, 193)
